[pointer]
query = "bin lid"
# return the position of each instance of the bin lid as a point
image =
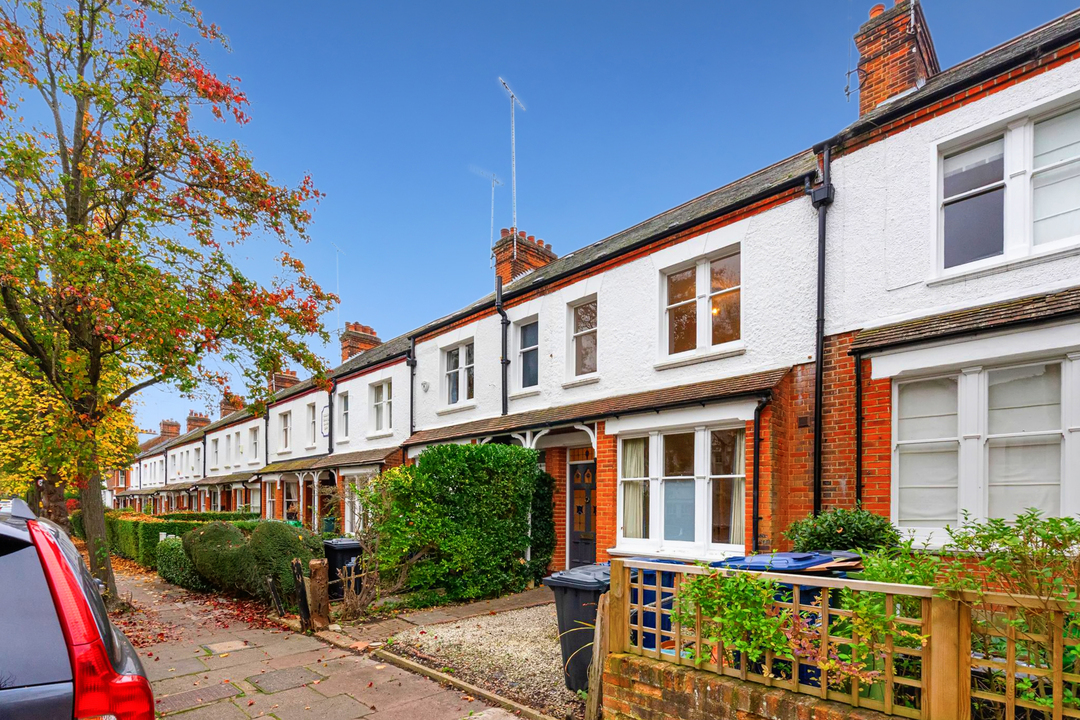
(342, 543)
(790, 562)
(585, 577)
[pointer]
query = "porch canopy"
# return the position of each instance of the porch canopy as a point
(308, 463)
(223, 479)
(361, 462)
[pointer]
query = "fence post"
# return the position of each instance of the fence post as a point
(618, 609)
(944, 670)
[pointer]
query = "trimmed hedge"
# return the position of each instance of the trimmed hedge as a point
(218, 551)
(149, 529)
(208, 516)
(77, 524)
(175, 566)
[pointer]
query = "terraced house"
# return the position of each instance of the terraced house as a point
(891, 317)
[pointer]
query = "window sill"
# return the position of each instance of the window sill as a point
(583, 380)
(716, 353)
(460, 407)
(310, 447)
(962, 275)
(342, 441)
(286, 451)
(662, 553)
(380, 434)
(531, 392)
(253, 462)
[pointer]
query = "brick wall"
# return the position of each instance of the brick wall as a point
(637, 688)
(607, 493)
(555, 460)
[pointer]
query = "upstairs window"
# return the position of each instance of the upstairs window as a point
(311, 424)
(343, 402)
(529, 352)
(703, 304)
(285, 420)
(1056, 178)
(214, 458)
(254, 442)
(382, 400)
(239, 448)
(584, 338)
(459, 374)
(974, 204)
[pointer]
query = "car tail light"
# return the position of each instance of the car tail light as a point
(100, 692)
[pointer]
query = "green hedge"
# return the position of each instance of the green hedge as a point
(459, 520)
(77, 524)
(209, 516)
(218, 551)
(843, 529)
(150, 530)
(175, 566)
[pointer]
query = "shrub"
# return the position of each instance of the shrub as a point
(218, 551)
(150, 530)
(208, 516)
(843, 529)
(270, 550)
(459, 520)
(77, 527)
(72, 505)
(176, 567)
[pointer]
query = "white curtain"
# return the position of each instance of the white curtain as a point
(633, 459)
(738, 493)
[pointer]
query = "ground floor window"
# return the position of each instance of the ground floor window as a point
(292, 501)
(271, 499)
(982, 443)
(683, 490)
(255, 494)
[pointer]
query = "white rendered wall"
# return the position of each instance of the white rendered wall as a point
(248, 461)
(881, 263)
(778, 275)
(184, 474)
(299, 444)
(362, 434)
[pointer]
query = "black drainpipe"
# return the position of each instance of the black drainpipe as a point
(410, 360)
(266, 440)
(822, 198)
(330, 420)
(505, 361)
(756, 514)
(858, 429)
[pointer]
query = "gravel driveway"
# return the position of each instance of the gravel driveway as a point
(514, 653)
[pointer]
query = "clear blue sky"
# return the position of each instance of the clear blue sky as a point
(632, 108)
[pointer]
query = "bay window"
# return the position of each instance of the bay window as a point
(727, 485)
(635, 488)
(986, 443)
(678, 487)
(703, 304)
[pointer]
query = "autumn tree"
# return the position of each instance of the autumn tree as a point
(118, 217)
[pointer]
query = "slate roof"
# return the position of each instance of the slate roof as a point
(682, 395)
(360, 457)
(1015, 52)
(995, 316)
(225, 479)
(307, 463)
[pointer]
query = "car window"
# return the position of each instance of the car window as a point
(34, 650)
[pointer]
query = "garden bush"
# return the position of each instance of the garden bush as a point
(842, 529)
(77, 527)
(175, 566)
(208, 516)
(459, 520)
(270, 551)
(150, 530)
(218, 551)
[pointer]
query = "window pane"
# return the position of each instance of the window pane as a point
(727, 452)
(389, 390)
(679, 455)
(635, 458)
(1025, 473)
(927, 410)
(585, 353)
(679, 510)
(452, 359)
(389, 414)
(378, 394)
(529, 369)
(728, 509)
(469, 382)
(682, 285)
(724, 272)
(1057, 203)
(1057, 139)
(974, 228)
(378, 417)
(974, 168)
(928, 477)
(469, 354)
(682, 328)
(452, 388)
(725, 317)
(529, 334)
(636, 509)
(1025, 399)
(585, 317)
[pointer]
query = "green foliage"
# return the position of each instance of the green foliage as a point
(77, 528)
(150, 530)
(209, 516)
(218, 551)
(843, 529)
(176, 567)
(459, 520)
(543, 526)
(270, 551)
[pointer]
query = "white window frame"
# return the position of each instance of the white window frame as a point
(462, 373)
(271, 497)
(285, 431)
(703, 295)
(973, 437)
(1018, 132)
(384, 422)
(522, 350)
(571, 325)
(253, 440)
(238, 448)
(312, 425)
(215, 454)
(702, 546)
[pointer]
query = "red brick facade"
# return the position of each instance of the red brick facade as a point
(895, 53)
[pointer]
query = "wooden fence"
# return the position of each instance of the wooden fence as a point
(991, 657)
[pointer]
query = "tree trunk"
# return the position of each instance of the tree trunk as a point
(54, 505)
(33, 496)
(93, 514)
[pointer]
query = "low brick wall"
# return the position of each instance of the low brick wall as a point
(637, 688)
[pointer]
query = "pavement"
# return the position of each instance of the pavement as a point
(213, 666)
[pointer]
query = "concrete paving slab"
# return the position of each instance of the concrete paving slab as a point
(278, 680)
(229, 646)
(341, 707)
(173, 668)
(282, 703)
(221, 710)
(242, 657)
(194, 698)
(292, 643)
(447, 705)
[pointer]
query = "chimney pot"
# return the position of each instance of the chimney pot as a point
(878, 9)
(532, 238)
(356, 339)
(510, 265)
(504, 232)
(521, 233)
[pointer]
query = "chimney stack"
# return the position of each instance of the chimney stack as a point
(517, 253)
(196, 421)
(896, 53)
(356, 339)
(170, 429)
(283, 380)
(230, 404)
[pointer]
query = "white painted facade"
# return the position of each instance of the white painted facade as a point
(299, 427)
(777, 325)
(236, 448)
(152, 470)
(184, 462)
(365, 428)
